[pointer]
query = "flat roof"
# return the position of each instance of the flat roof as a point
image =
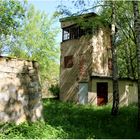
(74, 16)
(110, 78)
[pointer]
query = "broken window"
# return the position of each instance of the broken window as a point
(68, 61)
(73, 32)
(66, 34)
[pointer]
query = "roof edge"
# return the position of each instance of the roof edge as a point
(110, 78)
(74, 16)
(20, 59)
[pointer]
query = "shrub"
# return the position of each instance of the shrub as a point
(54, 89)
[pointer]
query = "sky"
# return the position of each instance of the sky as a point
(49, 7)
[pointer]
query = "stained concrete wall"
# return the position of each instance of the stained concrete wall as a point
(20, 91)
(81, 69)
(90, 57)
(127, 91)
(101, 53)
(92, 96)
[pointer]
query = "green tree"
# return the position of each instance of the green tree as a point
(126, 49)
(114, 62)
(11, 14)
(137, 35)
(36, 40)
(124, 36)
(28, 33)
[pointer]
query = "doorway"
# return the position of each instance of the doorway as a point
(83, 93)
(102, 93)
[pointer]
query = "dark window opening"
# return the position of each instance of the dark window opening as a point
(110, 63)
(74, 32)
(68, 61)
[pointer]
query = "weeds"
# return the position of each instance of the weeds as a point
(66, 120)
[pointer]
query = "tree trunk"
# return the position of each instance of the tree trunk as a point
(114, 64)
(132, 67)
(128, 61)
(137, 36)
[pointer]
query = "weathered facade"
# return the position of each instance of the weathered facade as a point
(20, 90)
(85, 64)
(101, 91)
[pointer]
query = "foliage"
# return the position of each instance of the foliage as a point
(33, 37)
(55, 89)
(137, 42)
(30, 131)
(11, 15)
(125, 40)
(36, 41)
(67, 120)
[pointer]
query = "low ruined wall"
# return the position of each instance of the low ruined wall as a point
(20, 91)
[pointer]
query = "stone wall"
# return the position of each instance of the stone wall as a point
(20, 90)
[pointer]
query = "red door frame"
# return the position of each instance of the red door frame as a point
(102, 93)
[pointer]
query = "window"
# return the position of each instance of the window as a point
(68, 61)
(110, 63)
(66, 34)
(74, 32)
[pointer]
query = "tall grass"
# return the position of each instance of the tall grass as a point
(66, 120)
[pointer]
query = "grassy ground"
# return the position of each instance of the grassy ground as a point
(65, 120)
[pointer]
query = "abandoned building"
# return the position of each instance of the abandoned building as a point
(86, 65)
